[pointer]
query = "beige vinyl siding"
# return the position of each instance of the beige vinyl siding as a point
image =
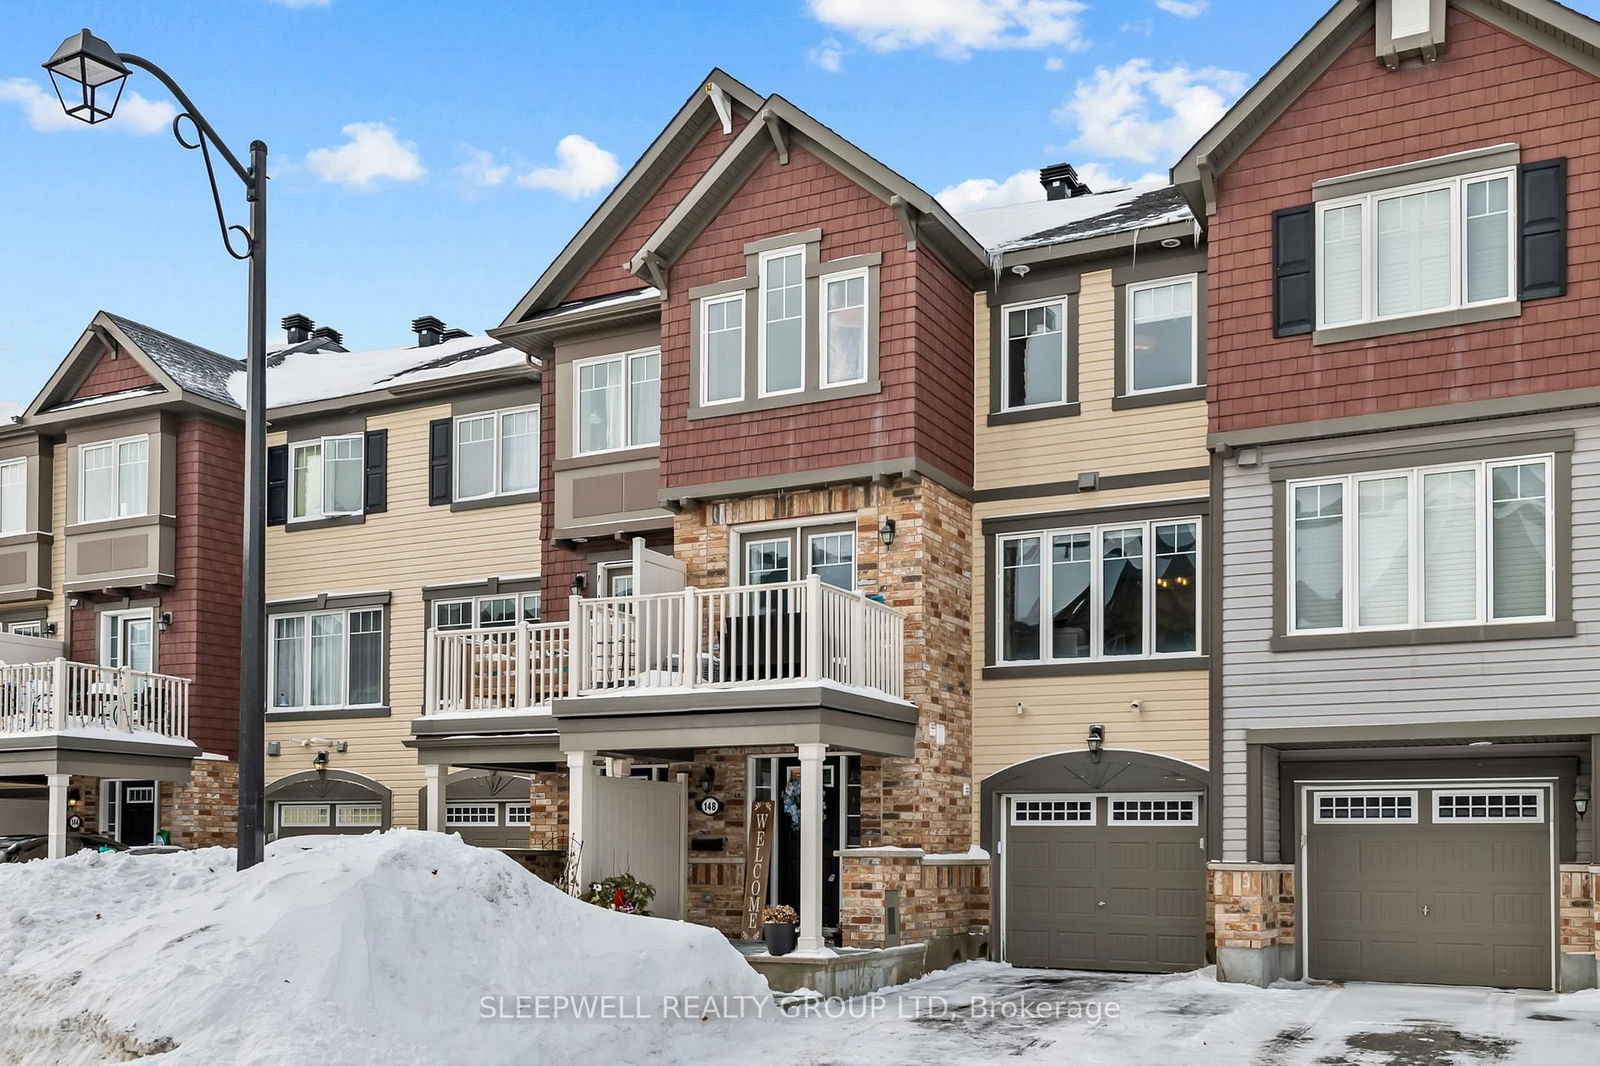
(1098, 438)
(402, 551)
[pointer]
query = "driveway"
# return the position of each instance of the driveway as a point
(986, 1012)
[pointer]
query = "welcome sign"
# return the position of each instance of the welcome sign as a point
(758, 852)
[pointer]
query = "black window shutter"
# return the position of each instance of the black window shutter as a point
(439, 461)
(376, 455)
(1542, 242)
(1294, 257)
(277, 484)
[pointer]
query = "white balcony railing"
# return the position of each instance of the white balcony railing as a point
(503, 668)
(738, 636)
(60, 694)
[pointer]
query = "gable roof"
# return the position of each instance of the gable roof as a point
(776, 121)
(1053, 223)
(641, 181)
(193, 369)
(1544, 23)
(302, 378)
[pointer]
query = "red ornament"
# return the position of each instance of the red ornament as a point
(618, 898)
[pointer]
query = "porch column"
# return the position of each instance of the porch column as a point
(810, 941)
(56, 842)
(434, 797)
(581, 774)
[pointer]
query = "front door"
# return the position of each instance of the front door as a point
(130, 811)
(778, 778)
(128, 639)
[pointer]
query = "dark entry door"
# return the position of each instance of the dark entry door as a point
(788, 865)
(136, 815)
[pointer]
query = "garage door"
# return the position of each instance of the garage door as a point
(1435, 886)
(1105, 882)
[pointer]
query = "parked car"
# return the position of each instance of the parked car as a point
(27, 847)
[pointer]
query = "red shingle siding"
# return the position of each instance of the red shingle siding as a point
(113, 375)
(1488, 88)
(924, 340)
(609, 273)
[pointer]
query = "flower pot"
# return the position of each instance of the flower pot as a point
(780, 937)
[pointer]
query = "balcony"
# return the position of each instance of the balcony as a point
(62, 696)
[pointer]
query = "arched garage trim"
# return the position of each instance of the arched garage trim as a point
(493, 789)
(328, 786)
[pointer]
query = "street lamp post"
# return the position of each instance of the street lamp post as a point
(85, 72)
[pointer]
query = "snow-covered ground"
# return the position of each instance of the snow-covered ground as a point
(411, 947)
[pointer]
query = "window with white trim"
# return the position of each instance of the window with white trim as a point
(326, 477)
(485, 612)
(303, 815)
(13, 497)
(1052, 812)
(1488, 806)
(1033, 368)
(1102, 592)
(519, 814)
(781, 362)
(327, 659)
(1366, 807)
(1430, 546)
(1154, 810)
(844, 328)
(114, 479)
(463, 813)
(1417, 249)
(496, 453)
(618, 402)
(34, 627)
(1162, 335)
(358, 815)
(721, 349)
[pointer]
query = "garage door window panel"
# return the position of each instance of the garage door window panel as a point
(359, 816)
(1366, 807)
(1154, 810)
(1484, 806)
(1052, 811)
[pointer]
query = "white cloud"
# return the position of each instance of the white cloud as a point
(9, 409)
(372, 153)
(976, 193)
(582, 169)
(1184, 9)
(480, 171)
(135, 114)
(829, 55)
(1054, 64)
(1138, 113)
(956, 28)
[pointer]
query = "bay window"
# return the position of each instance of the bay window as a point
(1433, 246)
(326, 477)
(13, 497)
(618, 402)
(1106, 592)
(1033, 370)
(496, 453)
(782, 346)
(1162, 335)
(114, 479)
(327, 659)
(1458, 544)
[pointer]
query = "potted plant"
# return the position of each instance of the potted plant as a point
(624, 893)
(780, 927)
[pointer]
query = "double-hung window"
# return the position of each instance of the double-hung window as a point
(327, 659)
(1033, 371)
(13, 497)
(114, 479)
(1162, 335)
(1101, 592)
(1418, 249)
(722, 349)
(783, 299)
(497, 453)
(618, 402)
(844, 328)
(1459, 544)
(326, 477)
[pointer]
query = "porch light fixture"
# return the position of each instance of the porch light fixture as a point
(886, 532)
(708, 777)
(321, 761)
(74, 602)
(51, 629)
(1096, 741)
(85, 72)
(164, 623)
(1580, 802)
(578, 583)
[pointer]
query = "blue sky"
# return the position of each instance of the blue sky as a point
(431, 157)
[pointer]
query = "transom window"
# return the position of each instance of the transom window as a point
(1153, 810)
(358, 815)
(1434, 246)
(1447, 545)
(722, 349)
(1366, 807)
(844, 301)
(326, 477)
(1161, 335)
(619, 402)
(1034, 370)
(485, 612)
(327, 659)
(1052, 811)
(1486, 806)
(1103, 592)
(13, 496)
(783, 299)
(497, 453)
(114, 479)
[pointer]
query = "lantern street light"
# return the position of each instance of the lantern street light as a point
(88, 76)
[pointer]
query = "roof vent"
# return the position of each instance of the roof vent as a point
(429, 331)
(1061, 181)
(298, 328)
(453, 334)
(328, 333)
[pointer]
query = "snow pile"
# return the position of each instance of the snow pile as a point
(390, 948)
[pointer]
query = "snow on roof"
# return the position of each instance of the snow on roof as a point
(1076, 218)
(649, 292)
(107, 397)
(308, 376)
(196, 370)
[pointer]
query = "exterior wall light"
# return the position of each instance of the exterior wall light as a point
(321, 761)
(1580, 802)
(1096, 741)
(886, 532)
(51, 629)
(164, 623)
(708, 777)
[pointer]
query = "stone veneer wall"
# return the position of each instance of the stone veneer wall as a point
(1579, 927)
(937, 901)
(1252, 912)
(205, 812)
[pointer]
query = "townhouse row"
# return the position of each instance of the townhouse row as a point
(1122, 580)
